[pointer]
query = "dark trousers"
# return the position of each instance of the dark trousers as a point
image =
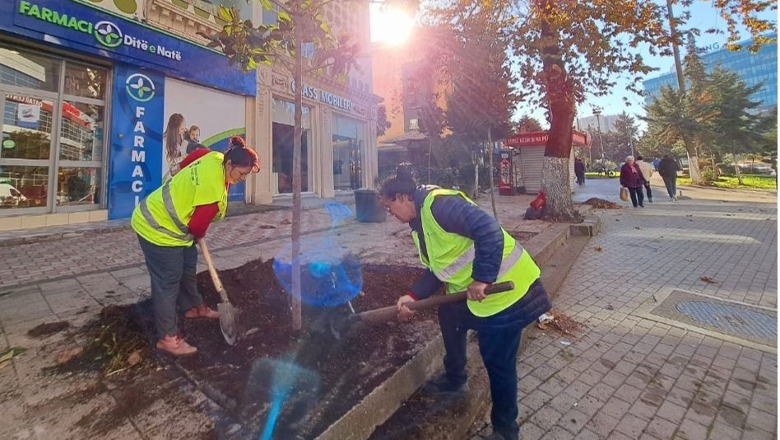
(637, 196)
(671, 185)
(499, 340)
(649, 192)
(172, 270)
(580, 178)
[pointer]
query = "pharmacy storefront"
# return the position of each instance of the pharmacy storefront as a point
(93, 105)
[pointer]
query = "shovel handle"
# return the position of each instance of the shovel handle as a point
(212, 271)
(390, 312)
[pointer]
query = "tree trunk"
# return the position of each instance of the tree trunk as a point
(296, 214)
(736, 168)
(560, 97)
(492, 196)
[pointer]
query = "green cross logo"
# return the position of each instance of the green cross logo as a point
(139, 87)
(108, 34)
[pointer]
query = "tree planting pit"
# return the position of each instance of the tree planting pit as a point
(305, 380)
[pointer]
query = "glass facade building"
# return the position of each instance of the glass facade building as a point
(753, 68)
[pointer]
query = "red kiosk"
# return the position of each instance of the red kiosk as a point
(520, 163)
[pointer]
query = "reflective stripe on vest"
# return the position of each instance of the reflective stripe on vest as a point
(168, 201)
(467, 257)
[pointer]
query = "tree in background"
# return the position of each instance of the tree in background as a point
(527, 124)
(300, 22)
(567, 48)
(737, 127)
(482, 97)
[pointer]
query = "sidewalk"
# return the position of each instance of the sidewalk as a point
(678, 303)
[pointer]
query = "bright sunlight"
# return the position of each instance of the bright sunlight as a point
(389, 25)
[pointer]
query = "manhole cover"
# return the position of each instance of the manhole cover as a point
(738, 320)
(731, 319)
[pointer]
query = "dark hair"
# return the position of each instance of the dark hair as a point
(638, 157)
(402, 183)
(172, 137)
(239, 155)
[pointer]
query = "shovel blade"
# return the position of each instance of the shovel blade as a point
(227, 322)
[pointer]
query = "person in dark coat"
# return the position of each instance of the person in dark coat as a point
(464, 248)
(579, 171)
(668, 169)
(632, 178)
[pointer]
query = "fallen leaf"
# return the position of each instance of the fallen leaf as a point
(598, 248)
(66, 355)
(267, 227)
(134, 358)
(610, 307)
(617, 219)
(285, 222)
(6, 356)
(637, 227)
(707, 279)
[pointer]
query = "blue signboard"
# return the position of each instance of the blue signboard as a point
(135, 157)
(85, 28)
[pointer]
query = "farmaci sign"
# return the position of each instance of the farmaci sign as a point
(106, 33)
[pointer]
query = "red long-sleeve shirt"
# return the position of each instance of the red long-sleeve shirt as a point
(203, 214)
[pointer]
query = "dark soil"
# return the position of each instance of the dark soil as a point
(561, 324)
(48, 328)
(327, 372)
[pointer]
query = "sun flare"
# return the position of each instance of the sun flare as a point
(390, 26)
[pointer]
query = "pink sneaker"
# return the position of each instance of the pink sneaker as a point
(176, 346)
(201, 311)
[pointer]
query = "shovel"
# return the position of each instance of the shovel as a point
(227, 314)
(389, 313)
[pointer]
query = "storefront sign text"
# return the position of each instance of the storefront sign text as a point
(316, 94)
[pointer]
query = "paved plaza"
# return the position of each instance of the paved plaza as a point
(633, 371)
(629, 374)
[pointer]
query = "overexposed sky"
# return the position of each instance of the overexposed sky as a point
(703, 16)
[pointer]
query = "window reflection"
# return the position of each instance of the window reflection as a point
(28, 70)
(84, 81)
(23, 187)
(81, 132)
(347, 153)
(78, 186)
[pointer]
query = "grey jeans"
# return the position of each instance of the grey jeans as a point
(172, 270)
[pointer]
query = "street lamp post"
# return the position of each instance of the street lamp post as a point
(597, 112)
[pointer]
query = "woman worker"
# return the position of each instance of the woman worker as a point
(171, 218)
(464, 248)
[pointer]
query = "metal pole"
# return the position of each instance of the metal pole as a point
(601, 141)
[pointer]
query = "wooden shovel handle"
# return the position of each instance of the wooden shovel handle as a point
(212, 271)
(389, 313)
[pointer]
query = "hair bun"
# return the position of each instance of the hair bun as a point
(236, 141)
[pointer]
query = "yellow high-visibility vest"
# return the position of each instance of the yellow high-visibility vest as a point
(451, 257)
(163, 216)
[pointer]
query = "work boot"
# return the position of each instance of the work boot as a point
(441, 384)
(201, 311)
(176, 346)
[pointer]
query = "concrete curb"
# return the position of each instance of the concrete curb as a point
(376, 408)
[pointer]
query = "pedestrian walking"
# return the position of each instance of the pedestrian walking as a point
(169, 220)
(668, 169)
(579, 171)
(464, 248)
(647, 172)
(631, 177)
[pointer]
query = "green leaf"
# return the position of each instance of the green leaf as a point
(225, 13)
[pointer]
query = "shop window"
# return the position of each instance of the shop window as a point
(41, 172)
(348, 144)
(283, 132)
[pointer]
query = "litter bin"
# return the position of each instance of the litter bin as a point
(368, 207)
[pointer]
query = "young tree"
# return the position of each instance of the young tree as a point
(300, 22)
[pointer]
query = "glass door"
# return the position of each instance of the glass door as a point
(26, 151)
